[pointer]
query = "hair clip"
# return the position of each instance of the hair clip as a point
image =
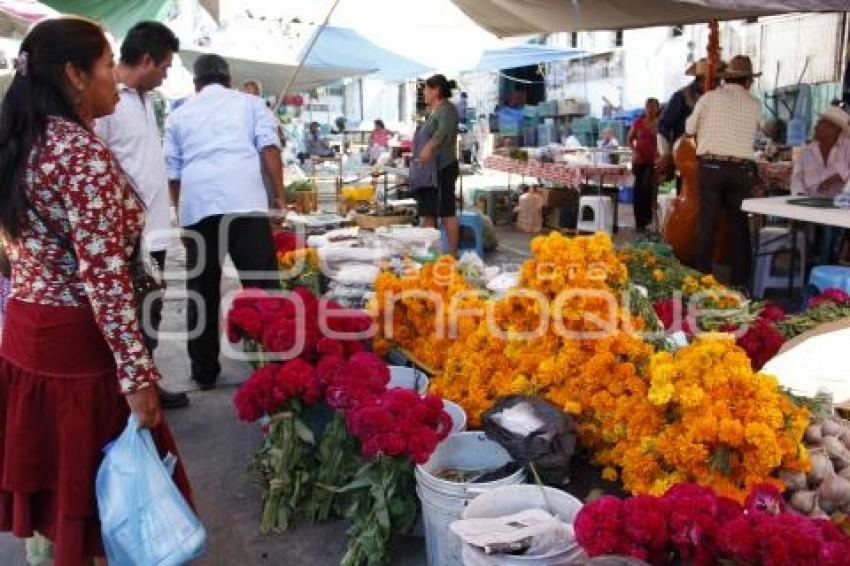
(22, 63)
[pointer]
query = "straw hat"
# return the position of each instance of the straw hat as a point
(838, 117)
(740, 67)
(700, 68)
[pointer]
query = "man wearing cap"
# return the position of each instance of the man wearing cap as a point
(215, 147)
(725, 122)
(671, 124)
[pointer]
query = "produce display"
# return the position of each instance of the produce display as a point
(657, 365)
(652, 419)
(825, 489)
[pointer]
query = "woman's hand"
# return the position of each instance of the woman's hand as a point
(145, 405)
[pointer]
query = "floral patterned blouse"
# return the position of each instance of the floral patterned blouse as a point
(78, 189)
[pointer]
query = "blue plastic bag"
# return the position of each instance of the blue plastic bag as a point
(145, 520)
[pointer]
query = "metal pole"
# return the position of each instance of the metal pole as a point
(307, 51)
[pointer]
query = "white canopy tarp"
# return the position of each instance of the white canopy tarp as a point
(506, 18)
(273, 76)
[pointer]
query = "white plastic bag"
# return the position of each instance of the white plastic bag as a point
(145, 520)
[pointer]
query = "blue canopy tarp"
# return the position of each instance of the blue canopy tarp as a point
(342, 47)
(523, 55)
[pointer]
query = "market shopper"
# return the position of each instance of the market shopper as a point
(73, 362)
(214, 146)
(441, 151)
(131, 133)
(725, 122)
(642, 140)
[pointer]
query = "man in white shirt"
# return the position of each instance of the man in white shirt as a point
(215, 147)
(823, 166)
(133, 136)
(823, 170)
(725, 122)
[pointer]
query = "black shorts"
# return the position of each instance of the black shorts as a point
(432, 202)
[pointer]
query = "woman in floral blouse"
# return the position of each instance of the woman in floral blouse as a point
(72, 359)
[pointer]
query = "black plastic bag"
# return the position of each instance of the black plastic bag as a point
(549, 446)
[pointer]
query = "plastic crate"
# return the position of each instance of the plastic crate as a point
(548, 109)
(530, 111)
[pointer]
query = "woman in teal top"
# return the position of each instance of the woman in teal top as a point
(439, 202)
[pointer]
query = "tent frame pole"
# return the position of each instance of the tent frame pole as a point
(285, 90)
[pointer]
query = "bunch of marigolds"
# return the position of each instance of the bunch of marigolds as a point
(417, 311)
(724, 426)
(651, 419)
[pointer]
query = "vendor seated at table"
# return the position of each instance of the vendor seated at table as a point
(570, 141)
(609, 140)
(823, 170)
(608, 144)
(380, 135)
(315, 145)
(379, 141)
(823, 166)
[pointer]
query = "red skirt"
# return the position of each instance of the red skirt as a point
(60, 404)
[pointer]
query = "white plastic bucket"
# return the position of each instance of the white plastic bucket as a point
(511, 499)
(443, 501)
(408, 378)
(457, 414)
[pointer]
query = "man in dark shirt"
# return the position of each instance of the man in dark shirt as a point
(671, 125)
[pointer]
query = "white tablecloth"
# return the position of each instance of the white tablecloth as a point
(779, 206)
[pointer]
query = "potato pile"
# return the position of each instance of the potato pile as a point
(826, 488)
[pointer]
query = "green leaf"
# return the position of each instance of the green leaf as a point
(381, 510)
(304, 433)
(356, 483)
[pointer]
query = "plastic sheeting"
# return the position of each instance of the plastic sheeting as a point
(342, 47)
(522, 56)
(523, 17)
(273, 76)
(118, 17)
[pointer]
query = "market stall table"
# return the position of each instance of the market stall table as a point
(315, 223)
(569, 174)
(784, 207)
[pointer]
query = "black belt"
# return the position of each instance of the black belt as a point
(725, 159)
